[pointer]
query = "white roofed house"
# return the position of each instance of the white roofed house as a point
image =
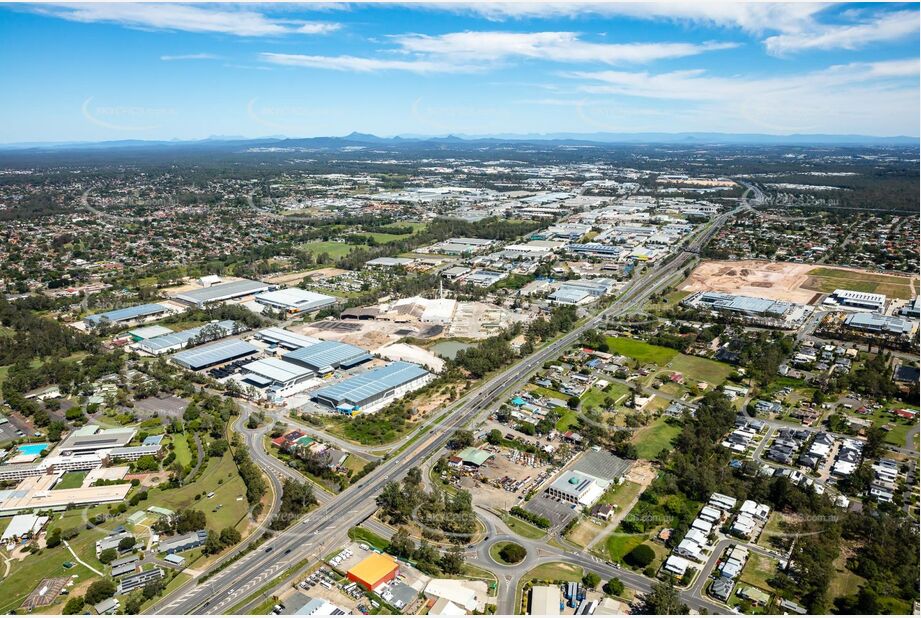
(690, 549)
(676, 565)
(743, 526)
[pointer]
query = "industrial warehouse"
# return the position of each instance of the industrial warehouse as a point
(324, 357)
(749, 306)
(295, 301)
(171, 342)
(214, 354)
(373, 389)
(230, 290)
(126, 316)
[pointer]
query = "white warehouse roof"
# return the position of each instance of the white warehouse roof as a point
(296, 299)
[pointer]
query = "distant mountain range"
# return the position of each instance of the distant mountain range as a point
(366, 139)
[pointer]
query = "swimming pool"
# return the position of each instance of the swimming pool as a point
(33, 449)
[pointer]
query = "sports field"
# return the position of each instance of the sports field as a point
(334, 249)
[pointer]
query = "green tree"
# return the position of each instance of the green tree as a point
(401, 544)
(512, 553)
(108, 555)
(614, 587)
(663, 599)
(99, 590)
(230, 536)
(591, 580)
(640, 556)
(73, 606)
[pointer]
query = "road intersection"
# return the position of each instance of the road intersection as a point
(314, 533)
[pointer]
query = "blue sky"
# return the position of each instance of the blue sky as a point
(189, 71)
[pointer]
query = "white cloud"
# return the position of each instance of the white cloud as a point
(878, 97)
(185, 17)
(190, 57)
(319, 27)
(793, 26)
(884, 27)
(749, 16)
(462, 52)
(553, 46)
(363, 65)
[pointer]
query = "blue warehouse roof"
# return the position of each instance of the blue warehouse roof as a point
(128, 313)
(165, 342)
(325, 356)
(214, 354)
(371, 384)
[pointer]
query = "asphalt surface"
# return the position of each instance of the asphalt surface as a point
(312, 535)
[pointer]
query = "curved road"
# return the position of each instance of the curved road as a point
(309, 536)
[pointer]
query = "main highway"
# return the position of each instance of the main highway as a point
(306, 538)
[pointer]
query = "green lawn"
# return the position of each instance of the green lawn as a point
(640, 350)
(523, 528)
(554, 572)
(650, 440)
(620, 544)
(25, 575)
(758, 570)
(698, 369)
(498, 547)
(568, 419)
(825, 279)
(71, 480)
(594, 398)
(621, 495)
(182, 450)
(334, 249)
(363, 535)
(547, 392)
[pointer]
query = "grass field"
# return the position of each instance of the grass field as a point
(363, 535)
(71, 480)
(554, 572)
(220, 476)
(182, 450)
(334, 249)
(640, 350)
(568, 419)
(899, 426)
(829, 279)
(698, 369)
(758, 570)
(25, 575)
(547, 392)
(523, 528)
(620, 544)
(844, 582)
(622, 494)
(498, 547)
(583, 532)
(650, 440)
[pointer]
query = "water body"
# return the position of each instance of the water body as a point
(449, 349)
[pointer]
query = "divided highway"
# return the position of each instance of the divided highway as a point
(307, 537)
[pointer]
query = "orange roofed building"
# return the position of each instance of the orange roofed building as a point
(374, 570)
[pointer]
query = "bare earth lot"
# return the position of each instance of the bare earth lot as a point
(800, 283)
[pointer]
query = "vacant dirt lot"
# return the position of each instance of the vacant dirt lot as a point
(774, 280)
